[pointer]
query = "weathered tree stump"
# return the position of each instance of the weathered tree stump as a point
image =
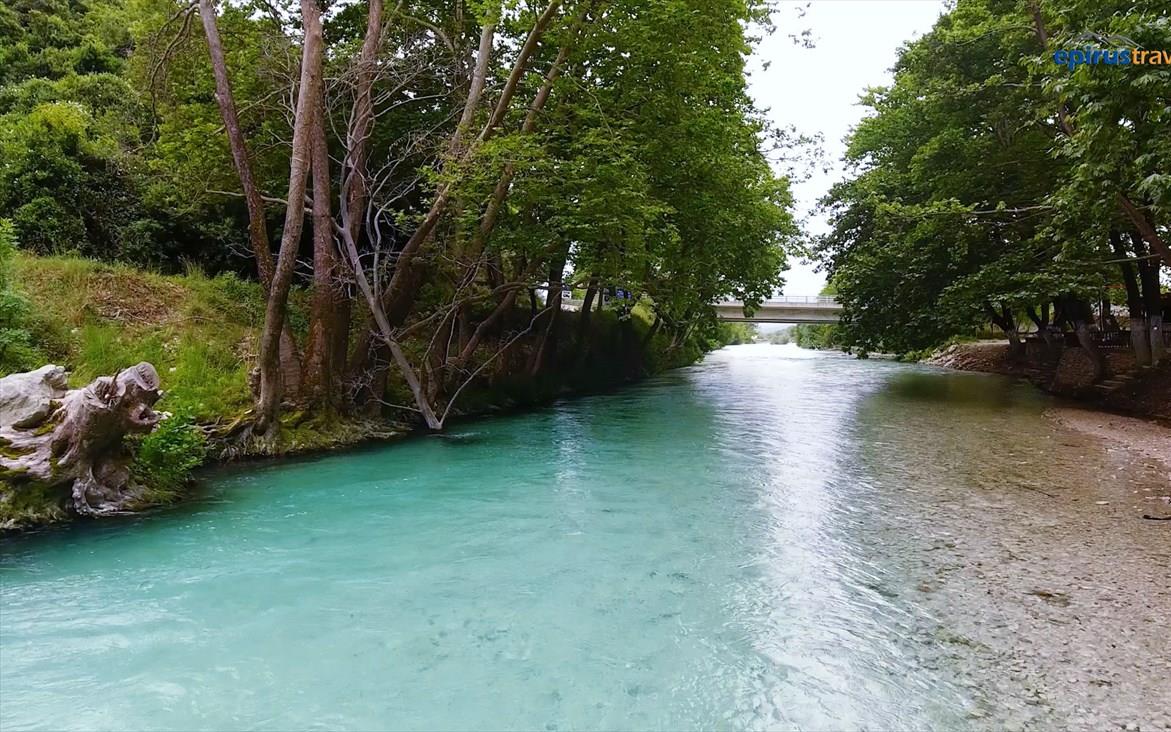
(74, 441)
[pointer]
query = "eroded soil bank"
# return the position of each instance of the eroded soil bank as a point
(1143, 393)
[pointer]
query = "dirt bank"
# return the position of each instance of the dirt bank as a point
(1146, 393)
(984, 356)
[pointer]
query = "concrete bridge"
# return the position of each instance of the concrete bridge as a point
(798, 309)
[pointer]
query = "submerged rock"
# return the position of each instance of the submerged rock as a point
(67, 448)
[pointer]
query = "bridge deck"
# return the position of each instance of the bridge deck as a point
(793, 309)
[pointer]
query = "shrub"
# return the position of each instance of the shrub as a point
(16, 344)
(166, 457)
(732, 334)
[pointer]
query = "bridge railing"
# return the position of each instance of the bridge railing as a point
(802, 300)
(793, 300)
(814, 300)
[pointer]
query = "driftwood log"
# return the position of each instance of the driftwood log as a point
(52, 438)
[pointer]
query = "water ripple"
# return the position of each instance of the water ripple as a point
(764, 541)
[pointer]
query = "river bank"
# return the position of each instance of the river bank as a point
(1145, 393)
(200, 333)
(1142, 437)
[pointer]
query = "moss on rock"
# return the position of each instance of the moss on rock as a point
(28, 503)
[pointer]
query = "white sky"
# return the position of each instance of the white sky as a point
(816, 89)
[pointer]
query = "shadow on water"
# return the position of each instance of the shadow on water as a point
(203, 497)
(215, 485)
(960, 389)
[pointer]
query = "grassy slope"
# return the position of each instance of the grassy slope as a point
(95, 318)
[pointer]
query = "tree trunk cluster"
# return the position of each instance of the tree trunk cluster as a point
(1144, 300)
(347, 244)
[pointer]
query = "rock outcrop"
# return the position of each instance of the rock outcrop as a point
(29, 398)
(70, 444)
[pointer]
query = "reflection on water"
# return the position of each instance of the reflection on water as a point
(771, 539)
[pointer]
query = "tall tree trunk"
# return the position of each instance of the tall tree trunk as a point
(1080, 314)
(519, 67)
(1139, 336)
(1043, 327)
(366, 370)
(421, 400)
(1016, 347)
(587, 303)
(268, 403)
(1145, 228)
(1140, 340)
(386, 334)
(1148, 275)
(320, 376)
(405, 281)
(394, 305)
(582, 333)
(257, 227)
(1086, 339)
(1007, 323)
(354, 194)
(400, 293)
(500, 192)
(484, 328)
(1157, 338)
(290, 366)
(352, 202)
(343, 308)
(548, 342)
(475, 89)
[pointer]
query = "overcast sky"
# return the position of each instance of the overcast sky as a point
(816, 89)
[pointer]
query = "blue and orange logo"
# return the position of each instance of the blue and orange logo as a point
(1125, 52)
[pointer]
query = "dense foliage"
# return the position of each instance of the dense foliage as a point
(989, 183)
(461, 165)
(165, 457)
(16, 340)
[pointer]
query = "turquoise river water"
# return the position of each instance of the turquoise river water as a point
(769, 539)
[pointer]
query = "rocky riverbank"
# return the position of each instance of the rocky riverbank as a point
(1144, 438)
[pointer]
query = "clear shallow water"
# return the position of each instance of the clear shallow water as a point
(739, 544)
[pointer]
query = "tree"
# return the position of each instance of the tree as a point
(962, 209)
(453, 161)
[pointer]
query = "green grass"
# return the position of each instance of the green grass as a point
(96, 318)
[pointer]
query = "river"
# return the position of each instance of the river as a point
(772, 538)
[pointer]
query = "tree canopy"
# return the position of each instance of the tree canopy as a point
(426, 170)
(989, 181)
